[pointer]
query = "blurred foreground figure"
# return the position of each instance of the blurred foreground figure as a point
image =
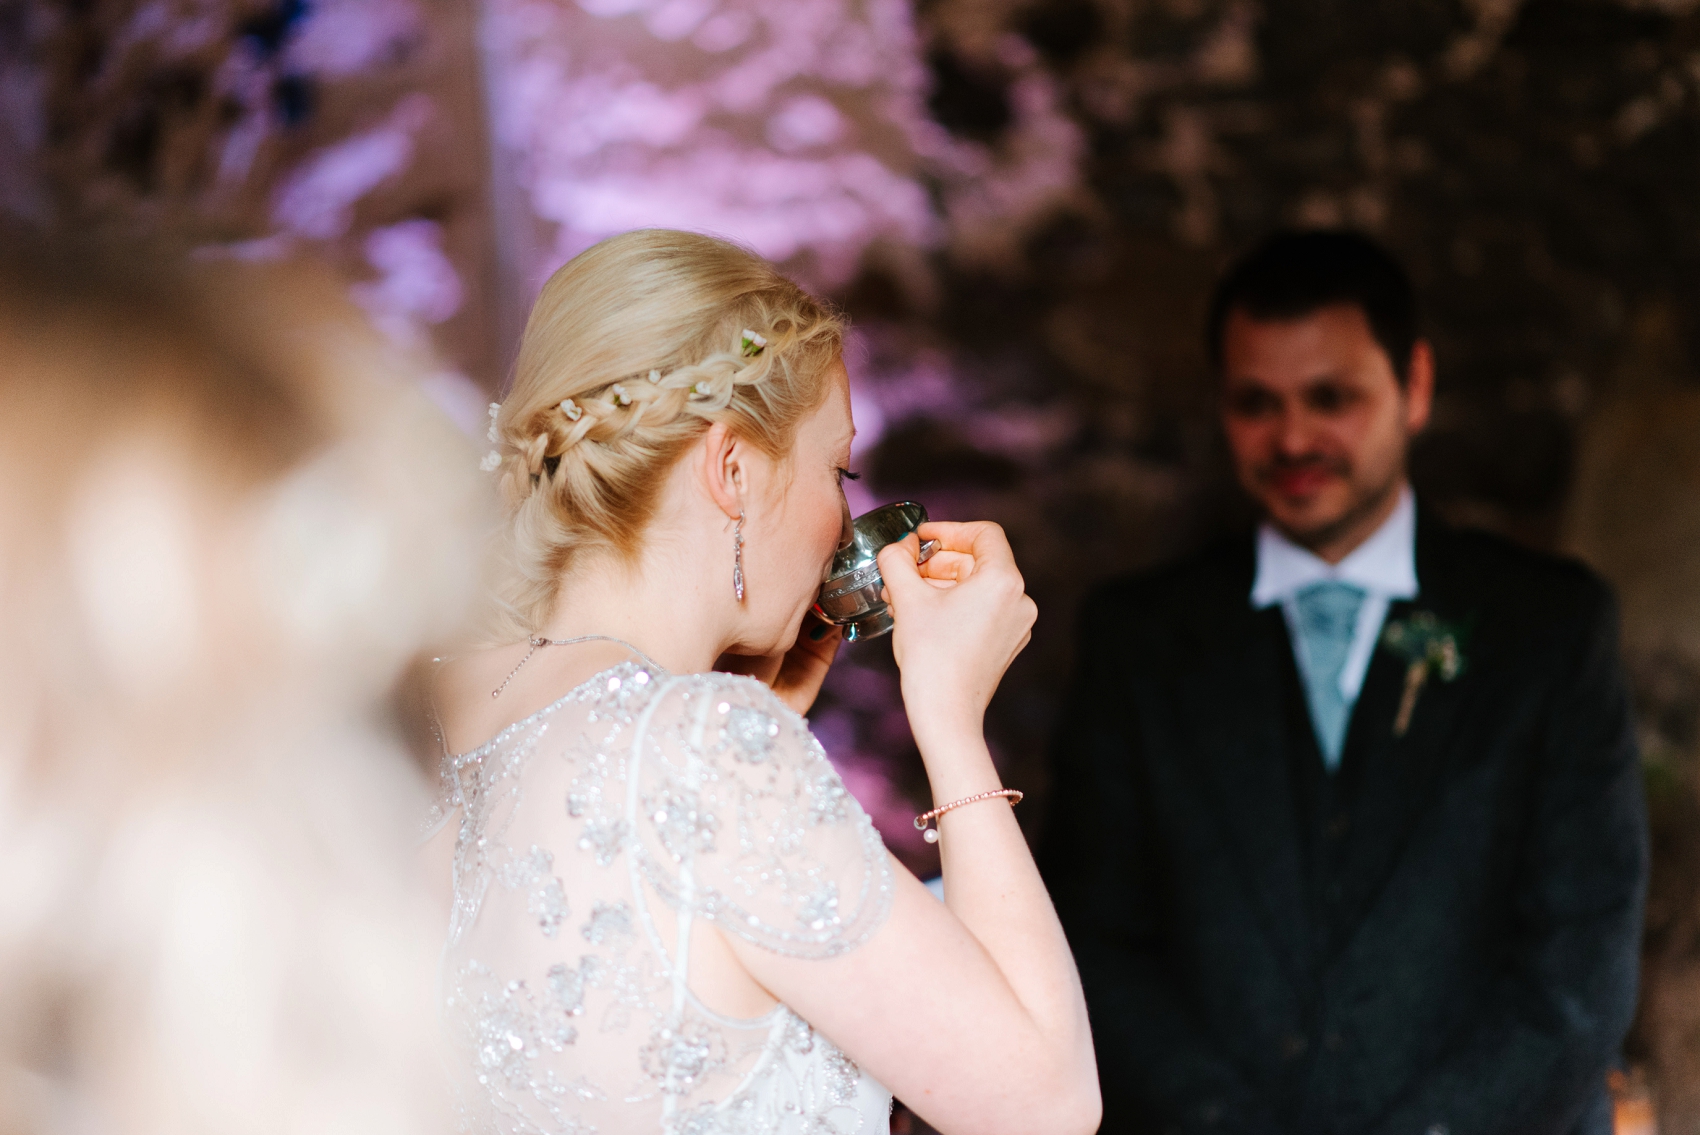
(1349, 834)
(225, 525)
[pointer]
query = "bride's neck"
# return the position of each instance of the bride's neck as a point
(655, 604)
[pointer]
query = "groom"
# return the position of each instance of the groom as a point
(1348, 833)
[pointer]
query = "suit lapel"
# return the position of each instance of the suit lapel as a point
(1396, 778)
(1236, 714)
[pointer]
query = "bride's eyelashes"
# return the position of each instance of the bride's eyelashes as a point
(845, 474)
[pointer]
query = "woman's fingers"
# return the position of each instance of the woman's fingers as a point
(897, 565)
(982, 545)
(952, 567)
(803, 668)
(976, 550)
(961, 619)
(982, 539)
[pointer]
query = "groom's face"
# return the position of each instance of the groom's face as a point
(1318, 421)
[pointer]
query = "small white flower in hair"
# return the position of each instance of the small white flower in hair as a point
(751, 343)
(655, 377)
(491, 462)
(621, 395)
(699, 390)
(495, 408)
(572, 410)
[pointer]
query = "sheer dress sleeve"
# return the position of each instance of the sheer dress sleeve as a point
(595, 839)
(741, 821)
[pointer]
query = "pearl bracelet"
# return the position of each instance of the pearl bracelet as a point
(931, 835)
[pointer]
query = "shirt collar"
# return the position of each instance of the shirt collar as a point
(1383, 565)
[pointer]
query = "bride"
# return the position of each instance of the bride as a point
(669, 915)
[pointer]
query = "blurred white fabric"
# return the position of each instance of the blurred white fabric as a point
(228, 521)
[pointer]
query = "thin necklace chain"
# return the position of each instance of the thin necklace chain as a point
(538, 640)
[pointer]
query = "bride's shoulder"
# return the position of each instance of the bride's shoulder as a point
(782, 854)
(732, 737)
(737, 690)
(479, 694)
(738, 715)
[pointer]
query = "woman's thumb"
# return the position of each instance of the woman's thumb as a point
(898, 568)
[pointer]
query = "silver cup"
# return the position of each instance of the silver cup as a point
(852, 594)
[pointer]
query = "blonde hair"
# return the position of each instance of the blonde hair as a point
(634, 349)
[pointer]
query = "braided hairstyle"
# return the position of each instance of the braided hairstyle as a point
(633, 350)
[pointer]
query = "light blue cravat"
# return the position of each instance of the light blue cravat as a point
(1328, 620)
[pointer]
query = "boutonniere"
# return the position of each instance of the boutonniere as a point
(1429, 646)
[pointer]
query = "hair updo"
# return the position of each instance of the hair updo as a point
(633, 350)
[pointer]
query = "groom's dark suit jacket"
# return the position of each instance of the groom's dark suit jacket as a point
(1440, 938)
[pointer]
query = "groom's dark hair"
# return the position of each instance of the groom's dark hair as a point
(1294, 273)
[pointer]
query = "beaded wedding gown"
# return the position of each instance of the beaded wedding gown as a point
(593, 836)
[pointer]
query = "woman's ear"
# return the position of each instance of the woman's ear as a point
(721, 462)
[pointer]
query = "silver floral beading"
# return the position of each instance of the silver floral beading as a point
(593, 836)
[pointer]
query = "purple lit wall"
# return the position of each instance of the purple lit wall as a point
(791, 126)
(448, 157)
(798, 127)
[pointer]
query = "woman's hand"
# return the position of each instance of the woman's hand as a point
(1007, 1047)
(962, 617)
(797, 674)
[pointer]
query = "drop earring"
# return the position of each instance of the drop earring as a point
(738, 558)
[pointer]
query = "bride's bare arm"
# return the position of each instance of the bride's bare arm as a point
(971, 1011)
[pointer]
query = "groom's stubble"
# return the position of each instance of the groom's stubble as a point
(1319, 423)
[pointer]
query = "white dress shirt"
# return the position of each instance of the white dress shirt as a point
(1384, 566)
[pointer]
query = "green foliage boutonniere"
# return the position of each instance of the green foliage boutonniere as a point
(1428, 646)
